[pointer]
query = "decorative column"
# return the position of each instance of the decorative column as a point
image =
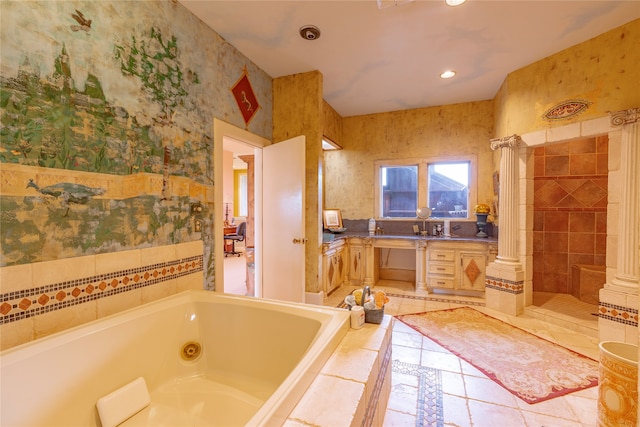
(505, 277)
(626, 275)
(618, 306)
(421, 264)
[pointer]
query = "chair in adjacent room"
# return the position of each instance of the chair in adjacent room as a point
(233, 238)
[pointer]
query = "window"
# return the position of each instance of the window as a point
(399, 191)
(448, 189)
(447, 186)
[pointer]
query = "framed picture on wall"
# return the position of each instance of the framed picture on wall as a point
(332, 218)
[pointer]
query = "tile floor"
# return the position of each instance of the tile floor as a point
(432, 387)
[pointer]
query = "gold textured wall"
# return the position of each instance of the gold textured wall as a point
(603, 71)
(450, 130)
(297, 110)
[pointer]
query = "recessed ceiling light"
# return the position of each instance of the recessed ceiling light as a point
(454, 2)
(447, 74)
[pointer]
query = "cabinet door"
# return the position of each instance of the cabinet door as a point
(472, 270)
(356, 260)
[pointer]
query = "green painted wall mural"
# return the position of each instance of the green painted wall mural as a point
(111, 89)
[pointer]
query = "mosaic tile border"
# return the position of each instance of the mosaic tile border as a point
(618, 313)
(342, 304)
(44, 299)
(504, 285)
(438, 299)
(375, 395)
(429, 409)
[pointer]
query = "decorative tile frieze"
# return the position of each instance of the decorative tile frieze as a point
(618, 313)
(504, 285)
(44, 299)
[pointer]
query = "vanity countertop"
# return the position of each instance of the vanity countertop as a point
(454, 238)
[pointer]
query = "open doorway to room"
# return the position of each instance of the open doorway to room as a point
(237, 200)
(239, 217)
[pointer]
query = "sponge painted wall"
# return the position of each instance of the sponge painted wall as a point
(602, 71)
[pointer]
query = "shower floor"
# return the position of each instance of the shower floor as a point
(565, 310)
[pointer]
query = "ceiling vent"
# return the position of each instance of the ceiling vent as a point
(309, 32)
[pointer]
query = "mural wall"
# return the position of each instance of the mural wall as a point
(106, 112)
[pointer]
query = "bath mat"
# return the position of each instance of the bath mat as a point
(531, 368)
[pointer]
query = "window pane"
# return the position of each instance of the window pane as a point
(449, 189)
(399, 191)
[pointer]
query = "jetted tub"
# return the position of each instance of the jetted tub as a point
(256, 360)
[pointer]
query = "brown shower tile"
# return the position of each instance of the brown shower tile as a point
(589, 193)
(556, 165)
(556, 262)
(538, 262)
(538, 282)
(570, 184)
(582, 243)
(538, 241)
(574, 259)
(569, 202)
(538, 166)
(556, 242)
(582, 221)
(551, 193)
(582, 146)
(601, 222)
(555, 282)
(601, 244)
(600, 259)
(538, 220)
(583, 164)
(556, 149)
(538, 151)
(556, 221)
(602, 164)
(602, 144)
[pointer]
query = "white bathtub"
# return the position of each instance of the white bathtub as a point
(258, 357)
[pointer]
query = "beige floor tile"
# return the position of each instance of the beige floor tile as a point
(469, 398)
(398, 419)
(485, 414)
(455, 411)
(403, 399)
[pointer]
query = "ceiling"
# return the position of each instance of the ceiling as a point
(375, 60)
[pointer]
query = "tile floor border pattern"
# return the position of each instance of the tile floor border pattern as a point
(342, 304)
(618, 313)
(437, 299)
(375, 395)
(26, 303)
(429, 407)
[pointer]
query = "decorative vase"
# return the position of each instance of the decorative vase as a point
(481, 222)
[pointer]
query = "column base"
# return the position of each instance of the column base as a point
(504, 288)
(617, 315)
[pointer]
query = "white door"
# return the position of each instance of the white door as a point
(283, 225)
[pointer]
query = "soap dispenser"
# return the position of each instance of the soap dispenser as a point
(372, 227)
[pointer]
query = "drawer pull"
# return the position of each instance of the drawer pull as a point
(441, 283)
(440, 269)
(441, 255)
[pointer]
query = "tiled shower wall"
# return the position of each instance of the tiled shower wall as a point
(570, 210)
(42, 298)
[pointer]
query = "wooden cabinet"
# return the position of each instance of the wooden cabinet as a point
(334, 265)
(356, 261)
(457, 266)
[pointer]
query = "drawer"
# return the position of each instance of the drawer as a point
(440, 282)
(441, 268)
(441, 255)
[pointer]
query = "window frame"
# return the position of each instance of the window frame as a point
(423, 185)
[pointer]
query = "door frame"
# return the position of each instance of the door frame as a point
(221, 130)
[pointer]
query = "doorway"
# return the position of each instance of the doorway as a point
(229, 142)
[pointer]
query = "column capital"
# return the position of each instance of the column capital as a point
(623, 117)
(507, 141)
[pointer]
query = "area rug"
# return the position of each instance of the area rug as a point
(528, 366)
